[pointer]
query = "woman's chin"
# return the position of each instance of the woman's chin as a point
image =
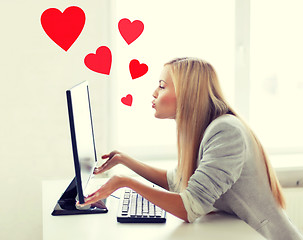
(156, 115)
(160, 116)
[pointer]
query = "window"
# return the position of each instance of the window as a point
(276, 82)
(255, 47)
(172, 28)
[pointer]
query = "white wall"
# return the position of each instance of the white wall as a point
(34, 74)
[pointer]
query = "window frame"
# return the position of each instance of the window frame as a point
(241, 88)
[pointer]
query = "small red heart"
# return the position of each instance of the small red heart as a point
(63, 28)
(100, 62)
(136, 69)
(130, 31)
(128, 100)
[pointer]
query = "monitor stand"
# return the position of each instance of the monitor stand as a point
(66, 205)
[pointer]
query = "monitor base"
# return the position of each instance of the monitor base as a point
(66, 205)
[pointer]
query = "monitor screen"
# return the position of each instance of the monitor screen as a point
(82, 135)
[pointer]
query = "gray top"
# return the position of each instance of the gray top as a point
(231, 176)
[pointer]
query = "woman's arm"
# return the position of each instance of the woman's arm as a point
(152, 174)
(168, 201)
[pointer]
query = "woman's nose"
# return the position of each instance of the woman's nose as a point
(155, 94)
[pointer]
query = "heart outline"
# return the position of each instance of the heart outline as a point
(65, 27)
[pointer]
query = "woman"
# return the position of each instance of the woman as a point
(221, 164)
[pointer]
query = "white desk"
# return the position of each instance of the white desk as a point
(105, 226)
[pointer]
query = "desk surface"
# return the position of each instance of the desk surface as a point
(105, 226)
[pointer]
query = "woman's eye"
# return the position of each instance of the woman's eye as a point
(161, 87)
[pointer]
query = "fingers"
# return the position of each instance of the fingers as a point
(92, 194)
(92, 198)
(112, 160)
(101, 169)
(109, 155)
(98, 170)
(107, 165)
(101, 193)
(104, 191)
(105, 156)
(87, 202)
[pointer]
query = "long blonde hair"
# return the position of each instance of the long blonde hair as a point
(199, 101)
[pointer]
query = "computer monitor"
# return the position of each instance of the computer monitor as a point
(82, 135)
(84, 153)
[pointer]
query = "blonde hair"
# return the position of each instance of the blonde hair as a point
(199, 101)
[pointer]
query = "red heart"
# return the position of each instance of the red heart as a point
(100, 62)
(130, 31)
(136, 69)
(63, 28)
(128, 100)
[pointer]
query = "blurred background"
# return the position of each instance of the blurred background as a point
(255, 46)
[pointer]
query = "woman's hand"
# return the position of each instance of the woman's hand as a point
(107, 189)
(153, 174)
(114, 158)
(169, 201)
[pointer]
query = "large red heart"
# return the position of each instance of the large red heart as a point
(136, 69)
(63, 28)
(130, 31)
(128, 100)
(100, 62)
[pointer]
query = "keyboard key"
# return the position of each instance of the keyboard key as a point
(125, 208)
(126, 195)
(139, 210)
(132, 212)
(151, 214)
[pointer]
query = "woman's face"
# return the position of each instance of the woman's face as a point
(165, 102)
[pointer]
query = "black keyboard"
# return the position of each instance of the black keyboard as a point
(133, 208)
